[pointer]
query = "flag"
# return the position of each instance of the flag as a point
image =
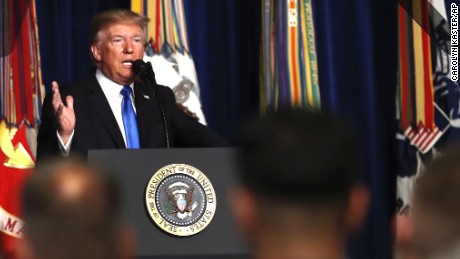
(20, 104)
(427, 100)
(289, 74)
(169, 53)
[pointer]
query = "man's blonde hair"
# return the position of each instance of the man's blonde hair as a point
(103, 20)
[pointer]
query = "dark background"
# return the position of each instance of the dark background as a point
(357, 61)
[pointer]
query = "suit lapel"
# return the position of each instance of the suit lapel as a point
(148, 117)
(102, 109)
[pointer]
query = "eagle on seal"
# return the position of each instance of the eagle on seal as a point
(180, 198)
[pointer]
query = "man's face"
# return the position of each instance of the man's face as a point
(120, 45)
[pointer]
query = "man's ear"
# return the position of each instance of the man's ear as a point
(402, 229)
(95, 50)
(23, 249)
(245, 211)
(127, 242)
(356, 210)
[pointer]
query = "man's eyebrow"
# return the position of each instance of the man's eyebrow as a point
(121, 35)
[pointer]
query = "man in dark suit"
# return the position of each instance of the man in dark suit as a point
(91, 117)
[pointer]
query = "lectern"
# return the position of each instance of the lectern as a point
(135, 168)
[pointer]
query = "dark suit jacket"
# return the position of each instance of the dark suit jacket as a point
(97, 128)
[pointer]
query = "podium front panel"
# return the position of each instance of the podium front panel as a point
(134, 168)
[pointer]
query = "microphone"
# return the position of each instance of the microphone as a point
(145, 72)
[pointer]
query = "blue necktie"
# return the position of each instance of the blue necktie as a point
(129, 118)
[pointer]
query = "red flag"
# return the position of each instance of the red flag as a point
(16, 163)
(20, 103)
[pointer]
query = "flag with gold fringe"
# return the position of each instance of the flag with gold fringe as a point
(427, 100)
(169, 53)
(289, 74)
(21, 98)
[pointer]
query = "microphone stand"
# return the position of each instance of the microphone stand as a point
(148, 76)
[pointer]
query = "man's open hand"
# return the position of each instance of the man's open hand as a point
(65, 115)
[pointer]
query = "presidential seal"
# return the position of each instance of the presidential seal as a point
(180, 199)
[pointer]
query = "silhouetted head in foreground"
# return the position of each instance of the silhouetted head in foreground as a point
(436, 210)
(72, 210)
(298, 197)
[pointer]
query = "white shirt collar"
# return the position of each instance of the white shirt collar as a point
(109, 87)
